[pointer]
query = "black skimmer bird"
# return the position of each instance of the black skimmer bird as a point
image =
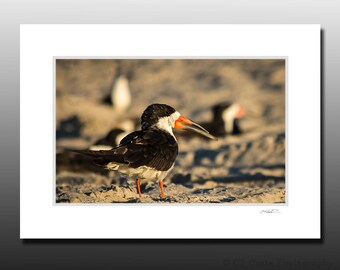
(120, 96)
(226, 116)
(149, 153)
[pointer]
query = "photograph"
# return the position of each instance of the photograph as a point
(197, 131)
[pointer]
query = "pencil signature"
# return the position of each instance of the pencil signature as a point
(270, 211)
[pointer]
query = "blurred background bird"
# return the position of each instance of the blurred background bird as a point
(120, 95)
(225, 120)
(115, 135)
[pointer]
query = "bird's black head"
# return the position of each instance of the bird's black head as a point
(164, 117)
(154, 112)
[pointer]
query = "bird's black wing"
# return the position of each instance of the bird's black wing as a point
(152, 148)
(128, 138)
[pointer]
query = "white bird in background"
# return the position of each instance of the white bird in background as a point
(120, 94)
(119, 97)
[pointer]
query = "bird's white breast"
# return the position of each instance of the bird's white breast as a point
(142, 172)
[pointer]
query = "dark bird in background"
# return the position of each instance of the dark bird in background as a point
(226, 116)
(120, 95)
(149, 153)
(225, 121)
(69, 128)
(115, 135)
(111, 140)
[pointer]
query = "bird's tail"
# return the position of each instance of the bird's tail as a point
(100, 158)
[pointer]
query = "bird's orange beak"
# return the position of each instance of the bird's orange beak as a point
(181, 122)
(185, 123)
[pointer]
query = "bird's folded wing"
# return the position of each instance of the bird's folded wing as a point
(149, 148)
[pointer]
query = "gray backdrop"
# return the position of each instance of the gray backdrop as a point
(177, 255)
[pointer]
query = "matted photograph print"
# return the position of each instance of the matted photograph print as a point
(212, 127)
(170, 131)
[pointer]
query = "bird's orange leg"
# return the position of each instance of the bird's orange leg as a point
(138, 188)
(161, 187)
